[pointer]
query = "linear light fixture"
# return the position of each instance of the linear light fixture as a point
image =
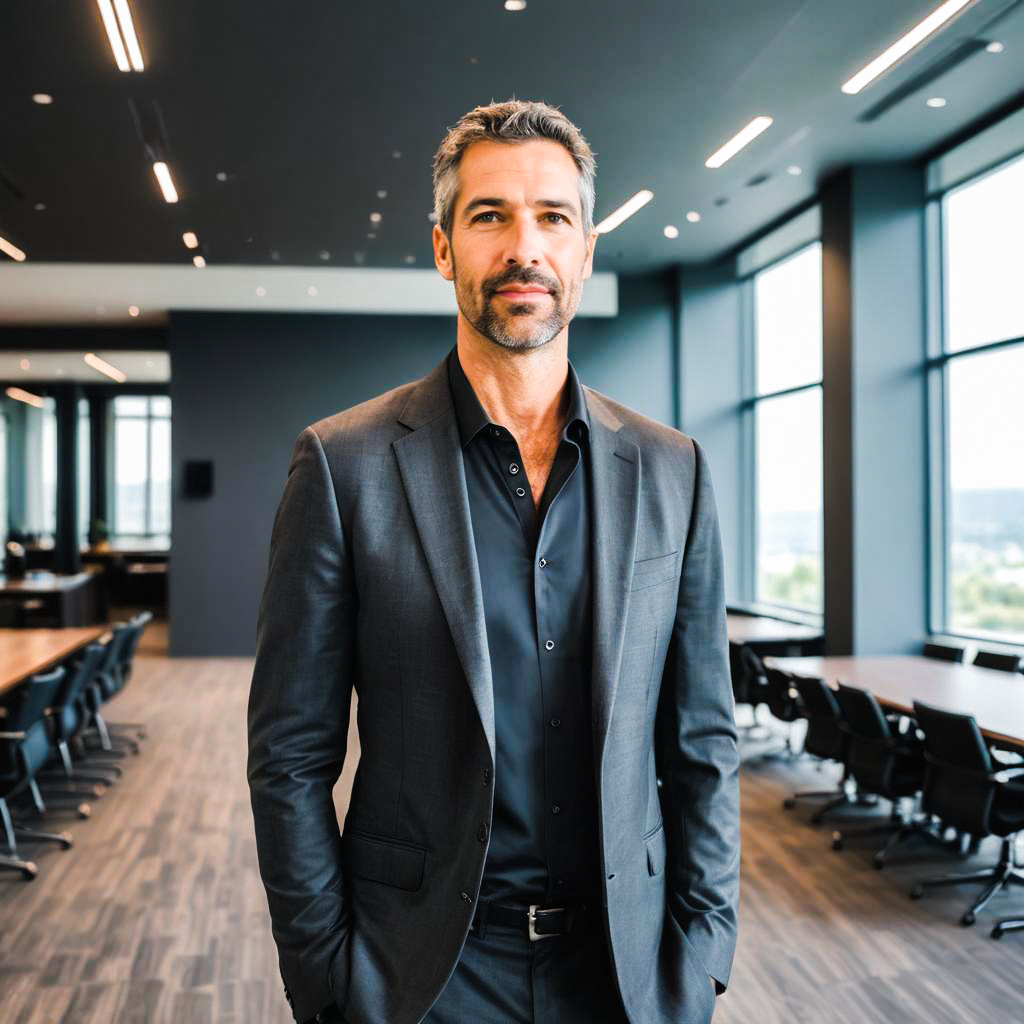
(25, 396)
(163, 177)
(104, 367)
(625, 211)
(12, 250)
(742, 138)
(917, 35)
(120, 29)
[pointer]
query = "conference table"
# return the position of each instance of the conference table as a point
(27, 652)
(766, 635)
(994, 699)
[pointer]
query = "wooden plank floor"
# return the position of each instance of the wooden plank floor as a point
(157, 916)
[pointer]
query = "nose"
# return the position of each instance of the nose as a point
(523, 243)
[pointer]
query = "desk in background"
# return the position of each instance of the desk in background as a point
(26, 652)
(767, 636)
(53, 600)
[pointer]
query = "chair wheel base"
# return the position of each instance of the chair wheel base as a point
(878, 862)
(997, 932)
(968, 919)
(916, 893)
(789, 803)
(837, 843)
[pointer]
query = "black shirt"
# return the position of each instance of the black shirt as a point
(536, 579)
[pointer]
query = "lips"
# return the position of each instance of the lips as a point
(523, 291)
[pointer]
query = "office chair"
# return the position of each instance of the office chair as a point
(887, 763)
(826, 739)
(106, 683)
(963, 790)
(943, 652)
(123, 671)
(747, 675)
(995, 659)
(24, 749)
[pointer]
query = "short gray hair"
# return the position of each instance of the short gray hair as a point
(511, 122)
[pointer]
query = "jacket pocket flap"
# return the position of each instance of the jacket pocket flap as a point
(384, 860)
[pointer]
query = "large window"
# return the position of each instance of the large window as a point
(981, 532)
(787, 433)
(142, 467)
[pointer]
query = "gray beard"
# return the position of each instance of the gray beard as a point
(495, 327)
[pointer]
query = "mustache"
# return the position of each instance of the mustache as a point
(520, 275)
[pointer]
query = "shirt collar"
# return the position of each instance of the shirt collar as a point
(472, 417)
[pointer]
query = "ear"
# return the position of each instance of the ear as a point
(588, 263)
(442, 254)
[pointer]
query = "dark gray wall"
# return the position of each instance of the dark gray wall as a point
(244, 386)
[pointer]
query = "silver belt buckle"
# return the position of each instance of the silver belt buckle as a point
(532, 918)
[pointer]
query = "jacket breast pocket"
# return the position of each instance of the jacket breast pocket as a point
(649, 572)
(382, 859)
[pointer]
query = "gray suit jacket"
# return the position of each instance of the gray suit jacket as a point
(373, 583)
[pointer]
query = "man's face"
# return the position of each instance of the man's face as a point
(518, 236)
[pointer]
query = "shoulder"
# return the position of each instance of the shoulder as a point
(657, 441)
(370, 424)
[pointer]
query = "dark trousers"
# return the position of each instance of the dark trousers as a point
(504, 978)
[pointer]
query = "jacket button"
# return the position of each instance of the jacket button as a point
(466, 898)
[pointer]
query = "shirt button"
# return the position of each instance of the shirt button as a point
(466, 898)
(559, 881)
(487, 776)
(543, 562)
(513, 468)
(555, 809)
(495, 431)
(520, 491)
(556, 722)
(549, 644)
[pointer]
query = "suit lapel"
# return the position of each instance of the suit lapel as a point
(615, 475)
(431, 468)
(430, 464)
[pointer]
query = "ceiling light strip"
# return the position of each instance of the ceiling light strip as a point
(163, 177)
(104, 367)
(625, 211)
(116, 45)
(917, 35)
(25, 396)
(12, 250)
(131, 40)
(742, 138)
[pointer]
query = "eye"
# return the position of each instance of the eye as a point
(561, 218)
(480, 216)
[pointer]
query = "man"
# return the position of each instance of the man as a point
(522, 579)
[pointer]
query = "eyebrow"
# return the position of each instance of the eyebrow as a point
(548, 204)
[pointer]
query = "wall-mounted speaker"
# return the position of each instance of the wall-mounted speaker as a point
(198, 478)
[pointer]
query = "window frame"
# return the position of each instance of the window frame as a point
(149, 417)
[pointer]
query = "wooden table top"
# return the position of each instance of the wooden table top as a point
(752, 628)
(42, 582)
(995, 699)
(24, 652)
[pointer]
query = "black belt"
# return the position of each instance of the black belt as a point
(538, 921)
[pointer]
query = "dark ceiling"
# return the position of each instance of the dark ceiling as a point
(310, 107)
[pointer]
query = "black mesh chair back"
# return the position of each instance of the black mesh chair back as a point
(943, 652)
(872, 759)
(108, 670)
(22, 756)
(958, 784)
(780, 695)
(138, 624)
(997, 660)
(826, 738)
(67, 710)
(738, 673)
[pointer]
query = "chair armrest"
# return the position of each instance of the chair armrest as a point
(12, 735)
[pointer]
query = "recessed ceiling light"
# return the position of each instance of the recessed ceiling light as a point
(794, 170)
(995, 47)
(935, 102)
(40, 207)
(198, 262)
(163, 177)
(382, 193)
(371, 234)
(375, 218)
(25, 364)
(275, 255)
(515, 5)
(311, 291)
(134, 311)
(42, 98)
(410, 258)
(670, 231)
(102, 366)
(742, 138)
(625, 211)
(261, 291)
(359, 257)
(693, 217)
(324, 254)
(12, 250)
(912, 39)
(25, 396)
(222, 175)
(190, 240)
(397, 154)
